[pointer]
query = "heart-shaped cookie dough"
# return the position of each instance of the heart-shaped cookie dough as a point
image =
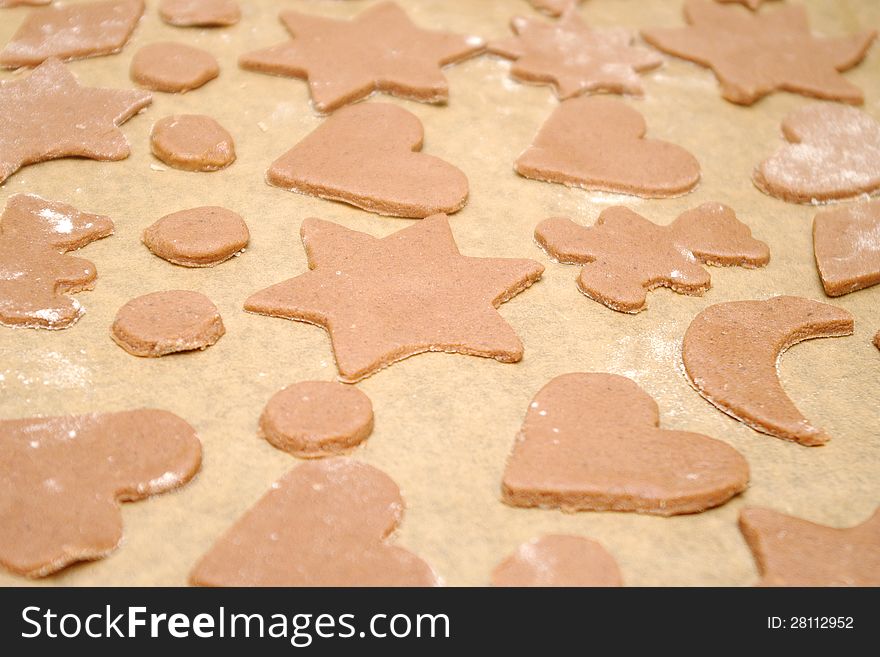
(364, 155)
(599, 143)
(591, 442)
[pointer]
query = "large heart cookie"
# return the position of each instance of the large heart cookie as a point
(591, 442)
(599, 143)
(364, 155)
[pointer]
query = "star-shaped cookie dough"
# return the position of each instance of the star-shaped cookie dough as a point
(47, 115)
(383, 300)
(754, 54)
(573, 58)
(795, 552)
(378, 50)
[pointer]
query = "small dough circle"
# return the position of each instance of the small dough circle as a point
(192, 142)
(311, 419)
(166, 322)
(200, 13)
(198, 237)
(172, 67)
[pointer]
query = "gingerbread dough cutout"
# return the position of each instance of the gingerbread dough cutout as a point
(554, 7)
(599, 144)
(730, 352)
(200, 13)
(379, 50)
(62, 479)
(325, 523)
(834, 153)
(192, 142)
(383, 300)
(167, 322)
(311, 419)
(199, 237)
(72, 31)
(755, 54)
(35, 274)
(625, 255)
(368, 155)
(573, 58)
(795, 552)
(173, 67)
(847, 247)
(592, 442)
(558, 560)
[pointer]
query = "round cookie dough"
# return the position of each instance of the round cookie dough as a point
(173, 67)
(192, 142)
(199, 237)
(200, 13)
(316, 418)
(166, 322)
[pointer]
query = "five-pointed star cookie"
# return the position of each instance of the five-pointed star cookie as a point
(383, 300)
(754, 54)
(47, 115)
(573, 58)
(378, 50)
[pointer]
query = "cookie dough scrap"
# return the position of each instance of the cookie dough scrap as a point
(846, 242)
(200, 13)
(378, 50)
(833, 153)
(558, 560)
(554, 7)
(790, 551)
(62, 479)
(312, 419)
(325, 523)
(755, 54)
(730, 352)
(383, 300)
(368, 155)
(72, 31)
(198, 237)
(192, 142)
(573, 58)
(173, 67)
(46, 115)
(599, 144)
(35, 274)
(167, 322)
(592, 442)
(625, 255)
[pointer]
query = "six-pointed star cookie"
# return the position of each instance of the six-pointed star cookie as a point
(383, 300)
(47, 115)
(379, 50)
(753, 55)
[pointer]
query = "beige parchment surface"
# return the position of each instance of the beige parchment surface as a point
(445, 423)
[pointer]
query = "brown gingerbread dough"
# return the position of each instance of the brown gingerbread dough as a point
(198, 237)
(558, 560)
(21, 3)
(325, 523)
(877, 340)
(173, 67)
(166, 322)
(192, 142)
(730, 352)
(62, 479)
(846, 242)
(591, 442)
(200, 13)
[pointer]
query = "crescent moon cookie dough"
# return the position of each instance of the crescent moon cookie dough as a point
(625, 255)
(46, 115)
(846, 242)
(592, 442)
(324, 523)
(558, 560)
(72, 31)
(62, 479)
(755, 54)
(379, 50)
(730, 351)
(173, 67)
(199, 237)
(200, 13)
(368, 155)
(192, 142)
(794, 552)
(166, 322)
(383, 300)
(834, 153)
(573, 58)
(35, 274)
(599, 144)
(554, 7)
(317, 418)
